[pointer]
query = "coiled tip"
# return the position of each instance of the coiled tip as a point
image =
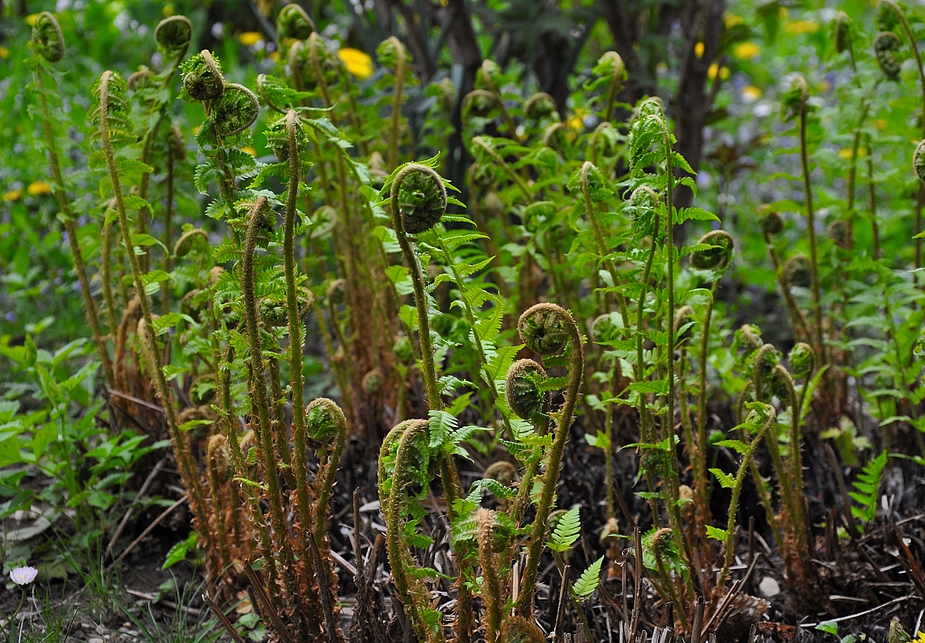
(516, 629)
(235, 110)
(885, 43)
(47, 39)
(325, 421)
(798, 271)
(545, 328)
(524, 390)
(717, 257)
(802, 360)
(202, 76)
(541, 106)
(419, 195)
(173, 35)
(293, 23)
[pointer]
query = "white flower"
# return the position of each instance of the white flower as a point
(23, 575)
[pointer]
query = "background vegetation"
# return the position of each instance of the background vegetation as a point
(582, 319)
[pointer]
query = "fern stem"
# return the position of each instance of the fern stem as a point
(258, 390)
(551, 475)
(180, 441)
(737, 490)
(71, 228)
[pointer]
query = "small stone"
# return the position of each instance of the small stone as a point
(768, 587)
(95, 640)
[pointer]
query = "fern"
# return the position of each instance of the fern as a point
(867, 487)
(567, 530)
(587, 582)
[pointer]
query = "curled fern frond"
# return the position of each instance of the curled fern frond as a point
(885, 44)
(479, 103)
(681, 325)
(717, 257)
(798, 271)
(794, 99)
(202, 77)
(173, 36)
(219, 456)
(418, 195)
(802, 360)
(293, 24)
(541, 106)
(556, 136)
(611, 64)
(47, 39)
(524, 389)
(840, 233)
(516, 629)
(770, 221)
(337, 291)
(235, 110)
(325, 420)
(140, 79)
(918, 161)
(843, 32)
(501, 471)
(188, 240)
(545, 328)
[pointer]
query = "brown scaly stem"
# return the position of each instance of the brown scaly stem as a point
(811, 228)
(747, 462)
(240, 465)
(549, 317)
(180, 441)
(421, 300)
(295, 342)
(258, 390)
(920, 194)
(70, 227)
(109, 299)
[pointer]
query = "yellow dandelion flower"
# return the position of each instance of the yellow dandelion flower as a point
(249, 38)
(731, 20)
(746, 51)
(274, 56)
(715, 70)
(167, 11)
(38, 187)
(847, 152)
(798, 27)
(825, 86)
(12, 195)
(31, 18)
(357, 62)
(920, 638)
(698, 49)
(880, 124)
(250, 150)
(576, 122)
(750, 93)
(196, 129)
(4, 53)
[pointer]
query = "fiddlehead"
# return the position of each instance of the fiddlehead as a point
(548, 329)
(202, 77)
(516, 629)
(718, 256)
(47, 42)
(47, 39)
(292, 24)
(173, 36)
(418, 200)
(405, 472)
(235, 110)
(524, 390)
(885, 44)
